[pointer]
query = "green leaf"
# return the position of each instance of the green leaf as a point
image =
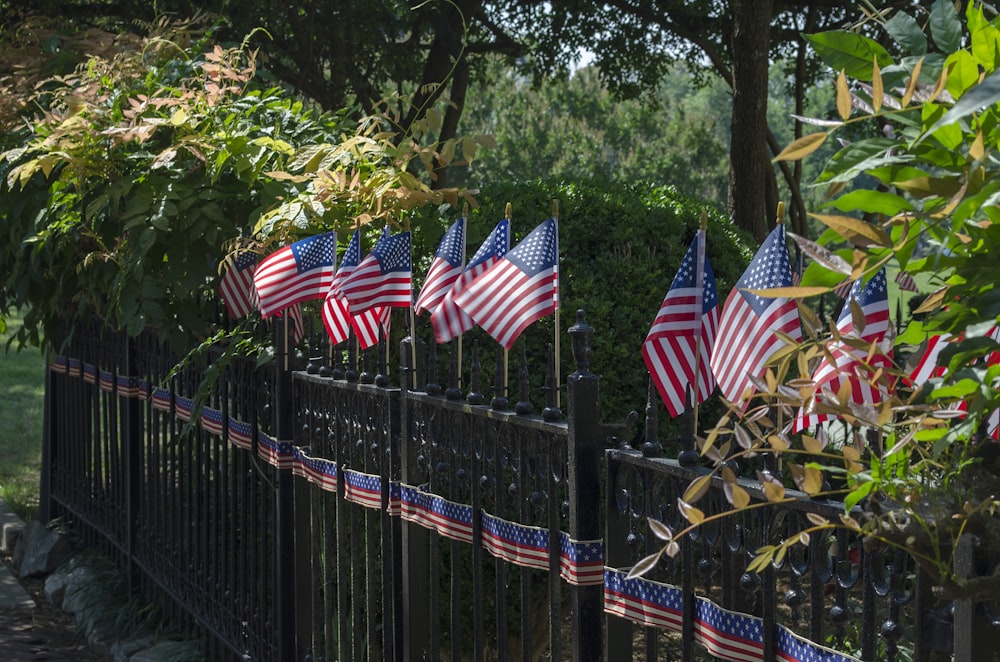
(906, 31)
(946, 29)
(985, 45)
(849, 51)
(985, 94)
(963, 73)
(857, 494)
(872, 202)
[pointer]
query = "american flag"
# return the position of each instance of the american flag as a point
(851, 363)
(447, 266)
(519, 289)
(294, 313)
(927, 368)
(448, 320)
(844, 289)
(296, 273)
(337, 317)
(236, 286)
(906, 282)
(746, 337)
(383, 277)
(684, 330)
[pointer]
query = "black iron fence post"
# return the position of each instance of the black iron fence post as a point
(585, 448)
(972, 629)
(284, 576)
(51, 410)
(414, 585)
(133, 463)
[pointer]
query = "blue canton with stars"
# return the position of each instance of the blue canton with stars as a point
(245, 260)
(769, 268)
(452, 247)
(393, 253)
(314, 252)
(496, 245)
(687, 273)
(875, 290)
(352, 256)
(537, 251)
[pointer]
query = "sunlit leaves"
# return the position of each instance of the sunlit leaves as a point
(801, 147)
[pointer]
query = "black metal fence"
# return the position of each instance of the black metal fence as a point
(335, 513)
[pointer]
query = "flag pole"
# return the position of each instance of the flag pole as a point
(413, 321)
(699, 283)
(779, 220)
(555, 217)
(506, 352)
(465, 239)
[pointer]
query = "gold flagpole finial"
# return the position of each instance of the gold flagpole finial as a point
(555, 208)
(506, 211)
(780, 216)
(465, 210)
(704, 221)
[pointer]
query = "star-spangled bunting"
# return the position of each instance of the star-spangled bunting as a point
(727, 635)
(683, 332)
(236, 287)
(523, 545)
(519, 289)
(383, 278)
(446, 267)
(337, 318)
(747, 329)
(851, 364)
(448, 320)
(363, 489)
(296, 273)
(449, 519)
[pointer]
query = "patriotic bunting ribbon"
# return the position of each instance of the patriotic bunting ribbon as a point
(727, 635)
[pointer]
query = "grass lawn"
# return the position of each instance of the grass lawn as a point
(22, 390)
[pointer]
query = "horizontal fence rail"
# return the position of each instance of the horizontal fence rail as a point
(318, 508)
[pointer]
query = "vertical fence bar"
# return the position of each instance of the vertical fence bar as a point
(284, 576)
(585, 445)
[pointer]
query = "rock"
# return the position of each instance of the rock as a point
(169, 651)
(126, 648)
(75, 593)
(55, 588)
(41, 551)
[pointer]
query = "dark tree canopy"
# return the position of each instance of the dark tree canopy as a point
(341, 52)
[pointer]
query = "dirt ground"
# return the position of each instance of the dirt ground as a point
(43, 633)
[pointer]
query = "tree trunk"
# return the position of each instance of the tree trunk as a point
(749, 166)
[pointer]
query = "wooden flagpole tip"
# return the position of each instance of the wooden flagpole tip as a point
(506, 211)
(465, 210)
(555, 208)
(780, 216)
(704, 221)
